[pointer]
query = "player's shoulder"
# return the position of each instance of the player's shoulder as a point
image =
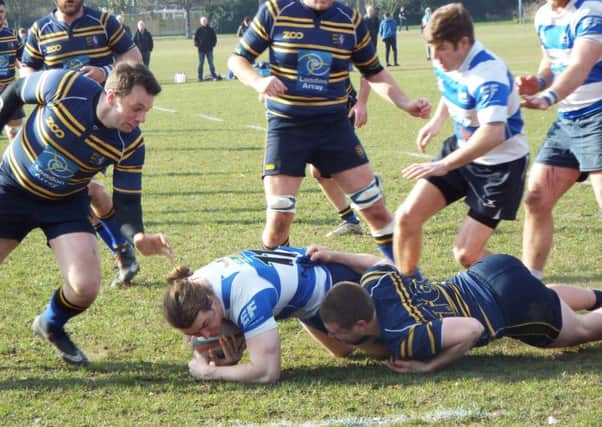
(378, 274)
(44, 21)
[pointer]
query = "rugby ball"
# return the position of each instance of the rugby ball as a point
(204, 345)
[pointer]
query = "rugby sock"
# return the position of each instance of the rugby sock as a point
(59, 310)
(348, 215)
(385, 245)
(102, 232)
(536, 273)
(598, 294)
(113, 228)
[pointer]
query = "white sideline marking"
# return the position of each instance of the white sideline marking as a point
(430, 418)
(167, 110)
(419, 155)
(257, 128)
(213, 119)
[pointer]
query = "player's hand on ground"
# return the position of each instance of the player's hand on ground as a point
(425, 134)
(153, 244)
(527, 85)
(535, 103)
(406, 366)
(269, 86)
(423, 170)
(94, 73)
(319, 253)
(233, 347)
(199, 367)
(420, 107)
(359, 114)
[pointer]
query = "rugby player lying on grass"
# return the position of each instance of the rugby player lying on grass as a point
(425, 326)
(253, 289)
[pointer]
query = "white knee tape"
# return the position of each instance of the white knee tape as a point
(284, 203)
(388, 229)
(365, 198)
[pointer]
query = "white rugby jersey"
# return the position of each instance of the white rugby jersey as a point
(482, 91)
(558, 31)
(256, 287)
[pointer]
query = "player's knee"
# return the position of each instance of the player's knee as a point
(466, 256)
(537, 201)
(405, 218)
(368, 196)
(86, 288)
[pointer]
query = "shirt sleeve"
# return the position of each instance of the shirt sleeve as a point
(127, 174)
(257, 38)
(117, 38)
(364, 53)
(256, 315)
(32, 56)
(420, 341)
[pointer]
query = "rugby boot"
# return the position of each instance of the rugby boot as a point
(127, 265)
(60, 340)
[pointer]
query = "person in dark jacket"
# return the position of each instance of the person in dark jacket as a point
(205, 40)
(144, 40)
(372, 22)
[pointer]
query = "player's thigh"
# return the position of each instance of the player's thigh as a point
(277, 185)
(423, 201)
(78, 260)
(549, 182)
(354, 179)
(572, 330)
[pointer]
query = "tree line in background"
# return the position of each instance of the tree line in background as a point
(226, 15)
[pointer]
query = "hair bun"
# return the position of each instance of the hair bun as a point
(178, 273)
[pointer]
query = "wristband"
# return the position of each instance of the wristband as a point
(550, 96)
(541, 82)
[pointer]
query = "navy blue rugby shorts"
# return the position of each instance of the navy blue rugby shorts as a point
(328, 142)
(21, 212)
(491, 191)
(531, 310)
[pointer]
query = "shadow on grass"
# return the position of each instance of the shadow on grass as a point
(500, 368)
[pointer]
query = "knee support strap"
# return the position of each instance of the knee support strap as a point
(366, 197)
(283, 203)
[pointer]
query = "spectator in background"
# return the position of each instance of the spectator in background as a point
(425, 20)
(144, 40)
(242, 28)
(22, 35)
(205, 40)
(127, 29)
(372, 22)
(388, 33)
(403, 19)
(244, 25)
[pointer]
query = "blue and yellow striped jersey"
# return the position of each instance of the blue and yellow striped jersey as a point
(63, 144)
(94, 39)
(410, 312)
(310, 53)
(11, 49)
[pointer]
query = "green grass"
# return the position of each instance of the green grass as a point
(202, 188)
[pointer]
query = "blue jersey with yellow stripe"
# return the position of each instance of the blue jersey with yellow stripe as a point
(11, 49)
(63, 144)
(93, 39)
(310, 52)
(410, 312)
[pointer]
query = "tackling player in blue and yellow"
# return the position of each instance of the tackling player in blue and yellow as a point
(76, 129)
(89, 41)
(425, 326)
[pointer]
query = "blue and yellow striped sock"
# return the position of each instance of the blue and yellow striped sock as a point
(348, 215)
(59, 310)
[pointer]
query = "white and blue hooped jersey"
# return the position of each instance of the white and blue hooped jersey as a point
(482, 91)
(558, 32)
(256, 287)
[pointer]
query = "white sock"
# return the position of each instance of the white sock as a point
(536, 273)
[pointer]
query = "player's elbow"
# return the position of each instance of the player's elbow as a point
(269, 376)
(473, 331)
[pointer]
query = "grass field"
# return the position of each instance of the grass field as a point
(202, 188)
